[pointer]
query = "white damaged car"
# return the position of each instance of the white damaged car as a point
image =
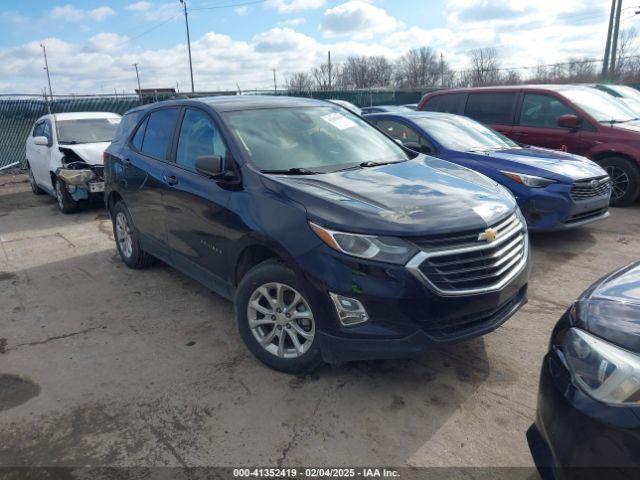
(64, 155)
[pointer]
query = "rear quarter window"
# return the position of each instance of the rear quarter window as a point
(126, 126)
(491, 107)
(159, 132)
(451, 103)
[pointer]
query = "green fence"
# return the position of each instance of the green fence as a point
(19, 112)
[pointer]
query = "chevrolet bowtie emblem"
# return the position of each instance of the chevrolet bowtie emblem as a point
(489, 235)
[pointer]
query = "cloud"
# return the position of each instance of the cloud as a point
(140, 6)
(101, 13)
(292, 22)
(243, 10)
(281, 40)
(357, 16)
(155, 11)
(290, 6)
(104, 42)
(69, 13)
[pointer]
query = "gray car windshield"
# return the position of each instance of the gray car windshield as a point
(86, 130)
(601, 106)
(463, 134)
(310, 139)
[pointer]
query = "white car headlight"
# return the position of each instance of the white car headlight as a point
(370, 247)
(528, 180)
(604, 371)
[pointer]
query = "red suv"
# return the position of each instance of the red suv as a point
(576, 119)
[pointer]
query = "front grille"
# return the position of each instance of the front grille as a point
(592, 187)
(580, 217)
(468, 264)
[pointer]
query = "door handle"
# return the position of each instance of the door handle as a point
(126, 161)
(522, 134)
(170, 179)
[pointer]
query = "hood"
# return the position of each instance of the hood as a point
(89, 152)
(611, 308)
(633, 126)
(556, 165)
(423, 196)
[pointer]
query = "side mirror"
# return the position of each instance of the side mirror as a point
(43, 141)
(210, 165)
(569, 121)
(416, 147)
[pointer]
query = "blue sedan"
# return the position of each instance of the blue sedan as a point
(555, 190)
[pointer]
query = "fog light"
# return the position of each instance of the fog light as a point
(350, 311)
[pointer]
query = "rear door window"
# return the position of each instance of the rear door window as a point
(542, 111)
(496, 108)
(452, 103)
(159, 133)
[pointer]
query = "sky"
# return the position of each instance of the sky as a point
(92, 44)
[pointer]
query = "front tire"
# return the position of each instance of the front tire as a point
(625, 176)
(276, 320)
(66, 204)
(127, 238)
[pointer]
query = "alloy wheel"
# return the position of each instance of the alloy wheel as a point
(619, 179)
(281, 320)
(123, 235)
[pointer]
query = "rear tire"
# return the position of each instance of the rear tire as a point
(66, 204)
(265, 316)
(32, 181)
(625, 175)
(128, 239)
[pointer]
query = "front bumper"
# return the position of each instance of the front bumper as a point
(575, 436)
(552, 208)
(406, 317)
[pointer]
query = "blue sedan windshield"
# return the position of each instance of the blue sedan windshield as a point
(463, 134)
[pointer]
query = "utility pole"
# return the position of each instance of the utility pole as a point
(614, 46)
(186, 21)
(135, 65)
(46, 67)
(329, 56)
(441, 69)
(275, 85)
(607, 49)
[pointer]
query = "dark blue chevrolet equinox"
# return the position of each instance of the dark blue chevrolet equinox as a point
(334, 242)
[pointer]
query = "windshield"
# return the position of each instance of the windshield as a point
(314, 139)
(625, 92)
(601, 106)
(463, 134)
(87, 130)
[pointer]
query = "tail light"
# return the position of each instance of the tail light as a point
(105, 155)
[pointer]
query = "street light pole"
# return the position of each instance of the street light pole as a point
(186, 21)
(135, 65)
(275, 85)
(46, 67)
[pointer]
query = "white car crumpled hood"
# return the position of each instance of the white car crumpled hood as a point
(89, 152)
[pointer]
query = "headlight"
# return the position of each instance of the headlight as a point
(528, 180)
(606, 372)
(382, 249)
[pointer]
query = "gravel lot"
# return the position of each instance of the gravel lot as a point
(102, 365)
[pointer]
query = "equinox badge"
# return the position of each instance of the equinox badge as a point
(489, 235)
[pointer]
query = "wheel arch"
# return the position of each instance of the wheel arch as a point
(599, 156)
(113, 198)
(251, 256)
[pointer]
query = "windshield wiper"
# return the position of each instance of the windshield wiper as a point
(614, 121)
(369, 163)
(292, 171)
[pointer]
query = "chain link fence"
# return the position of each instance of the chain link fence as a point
(19, 112)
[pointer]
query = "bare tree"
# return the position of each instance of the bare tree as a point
(418, 68)
(356, 72)
(300, 83)
(626, 63)
(485, 67)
